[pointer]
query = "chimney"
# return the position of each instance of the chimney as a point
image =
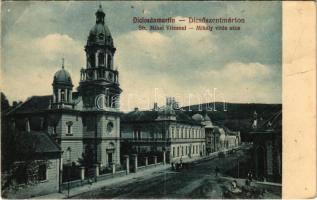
(155, 107)
(27, 125)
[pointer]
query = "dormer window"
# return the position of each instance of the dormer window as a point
(101, 36)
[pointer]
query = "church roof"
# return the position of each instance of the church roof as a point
(37, 103)
(62, 77)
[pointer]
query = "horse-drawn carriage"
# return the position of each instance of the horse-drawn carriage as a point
(181, 166)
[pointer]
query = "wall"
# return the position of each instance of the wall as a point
(51, 185)
(76, 147)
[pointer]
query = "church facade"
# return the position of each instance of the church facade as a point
(83, 121)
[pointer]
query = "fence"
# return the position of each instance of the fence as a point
(82, 176)
(71, 173)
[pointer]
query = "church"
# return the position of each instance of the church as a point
(83, 121)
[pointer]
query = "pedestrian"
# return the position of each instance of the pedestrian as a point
(216, 171)
(250, 176)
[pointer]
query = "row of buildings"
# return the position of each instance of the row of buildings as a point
(64, 126)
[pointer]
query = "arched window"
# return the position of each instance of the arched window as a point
(69, 128)
(63, 95)
(101, 59)
(69, 150)
(109, 61)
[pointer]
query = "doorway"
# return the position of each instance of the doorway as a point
(109, 159)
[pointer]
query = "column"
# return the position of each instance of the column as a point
(70, 96)
(54, 97)
(87, 61)
(164, 157)
(111, 62)
(66, 96)
(58, 95)
(106, 63)
(127, 164)
(95, 74)
(155, 160)
(82, 173)
(146, 161)
(96, 169)
(60, 174)
(96, 59)
(135, 160)
(113, 168)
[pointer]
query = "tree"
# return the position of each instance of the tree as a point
(4, 103)
(87, 159)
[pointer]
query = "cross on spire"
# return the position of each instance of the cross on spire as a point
(63, 60)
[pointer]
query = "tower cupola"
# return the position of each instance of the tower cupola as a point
(62, 88)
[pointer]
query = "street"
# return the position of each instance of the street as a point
(199, 181)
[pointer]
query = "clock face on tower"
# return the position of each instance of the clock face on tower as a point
(100, 101)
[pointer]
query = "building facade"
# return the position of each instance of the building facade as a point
(163, 129)
(217, 138)
(87, 120)
(267, 149)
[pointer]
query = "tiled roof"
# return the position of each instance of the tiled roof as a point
(40, 142)
(32, 104)
(137, 116)
(181, 116)
(37, 103)
(150, 116)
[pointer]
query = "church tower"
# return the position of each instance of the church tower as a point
(100, 92)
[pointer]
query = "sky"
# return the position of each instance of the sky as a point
(193, 66)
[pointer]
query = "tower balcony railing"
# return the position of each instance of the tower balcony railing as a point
(109, 109)
(100, 73)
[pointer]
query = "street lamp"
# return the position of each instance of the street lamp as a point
(69, 150)
(238, 167)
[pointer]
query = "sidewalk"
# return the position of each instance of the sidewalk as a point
(148, 173)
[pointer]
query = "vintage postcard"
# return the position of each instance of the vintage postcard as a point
(145, 99)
